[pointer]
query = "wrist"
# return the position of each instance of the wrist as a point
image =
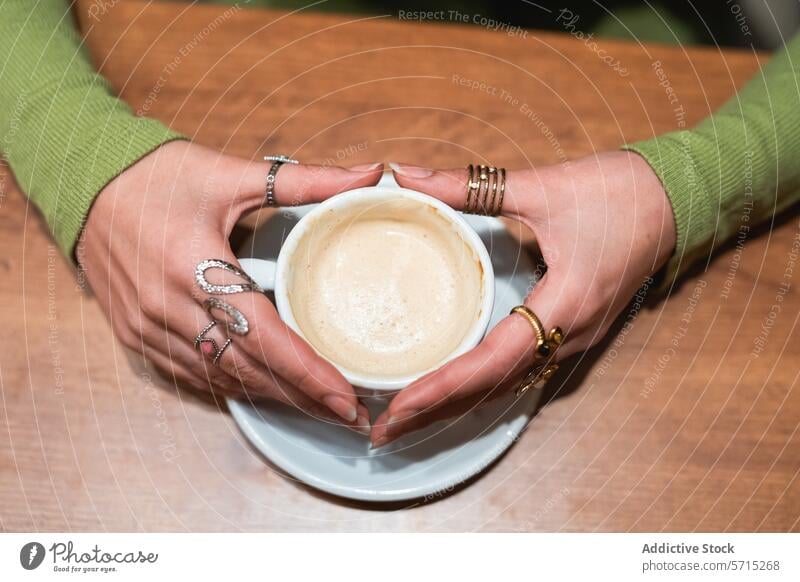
(115, 202)
(659, 214)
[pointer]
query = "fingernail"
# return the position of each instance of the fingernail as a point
(366, 167)
(363, 425)
(363, 430)
(341, 407)
(411, 171)
(401, 416)
(378, 443)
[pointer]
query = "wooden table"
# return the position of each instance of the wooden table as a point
(706, 440)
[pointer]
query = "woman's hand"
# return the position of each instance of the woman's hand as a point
(174, 208)
(603, 225)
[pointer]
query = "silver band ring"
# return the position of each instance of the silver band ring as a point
(277, 162)
(209, 346)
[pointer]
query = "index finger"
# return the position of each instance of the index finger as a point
(294, 184)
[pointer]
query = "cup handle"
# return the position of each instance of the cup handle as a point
(261, 271)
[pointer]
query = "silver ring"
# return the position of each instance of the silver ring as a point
(277, 162)
(212, 289)
(239, 325)
(215, 351)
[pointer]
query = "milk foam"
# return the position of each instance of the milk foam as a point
(386, 288)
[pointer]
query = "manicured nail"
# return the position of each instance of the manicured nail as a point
(378, 443)
(363, 425)
(411, 171)
(366, 167)
(362, 430)
(401, 416)
(341, 407)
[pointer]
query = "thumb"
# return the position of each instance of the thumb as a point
(450, 186)
(295, 184)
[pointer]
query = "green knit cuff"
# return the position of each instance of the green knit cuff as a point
(669, 156)
(110, 149)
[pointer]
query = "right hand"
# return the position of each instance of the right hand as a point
(604, 223)
(175, 207)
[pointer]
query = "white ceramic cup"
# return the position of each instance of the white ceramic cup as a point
(274, 275)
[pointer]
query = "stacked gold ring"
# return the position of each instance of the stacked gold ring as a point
(544, 352)
(486, 188)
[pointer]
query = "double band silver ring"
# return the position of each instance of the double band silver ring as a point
(209, 346)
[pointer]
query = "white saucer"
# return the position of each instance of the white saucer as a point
(426, 464)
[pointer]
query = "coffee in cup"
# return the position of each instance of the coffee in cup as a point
(384, 282)
(385, 288)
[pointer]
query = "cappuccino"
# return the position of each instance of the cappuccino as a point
(385, 288)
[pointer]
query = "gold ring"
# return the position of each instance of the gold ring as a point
(494, 178)
(501, 176)
(483, 190)
(546, 346)
(472, 186)
(488, 177)
(536, 378)
(486, 186)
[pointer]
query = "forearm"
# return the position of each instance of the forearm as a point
(736, 168)
(62, 131)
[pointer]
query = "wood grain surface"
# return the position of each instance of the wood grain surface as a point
(675, 423)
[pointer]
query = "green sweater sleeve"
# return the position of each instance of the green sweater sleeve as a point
(736, 168)
(63, 133)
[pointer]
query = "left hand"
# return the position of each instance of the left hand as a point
(603, 224)
(144, 236)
